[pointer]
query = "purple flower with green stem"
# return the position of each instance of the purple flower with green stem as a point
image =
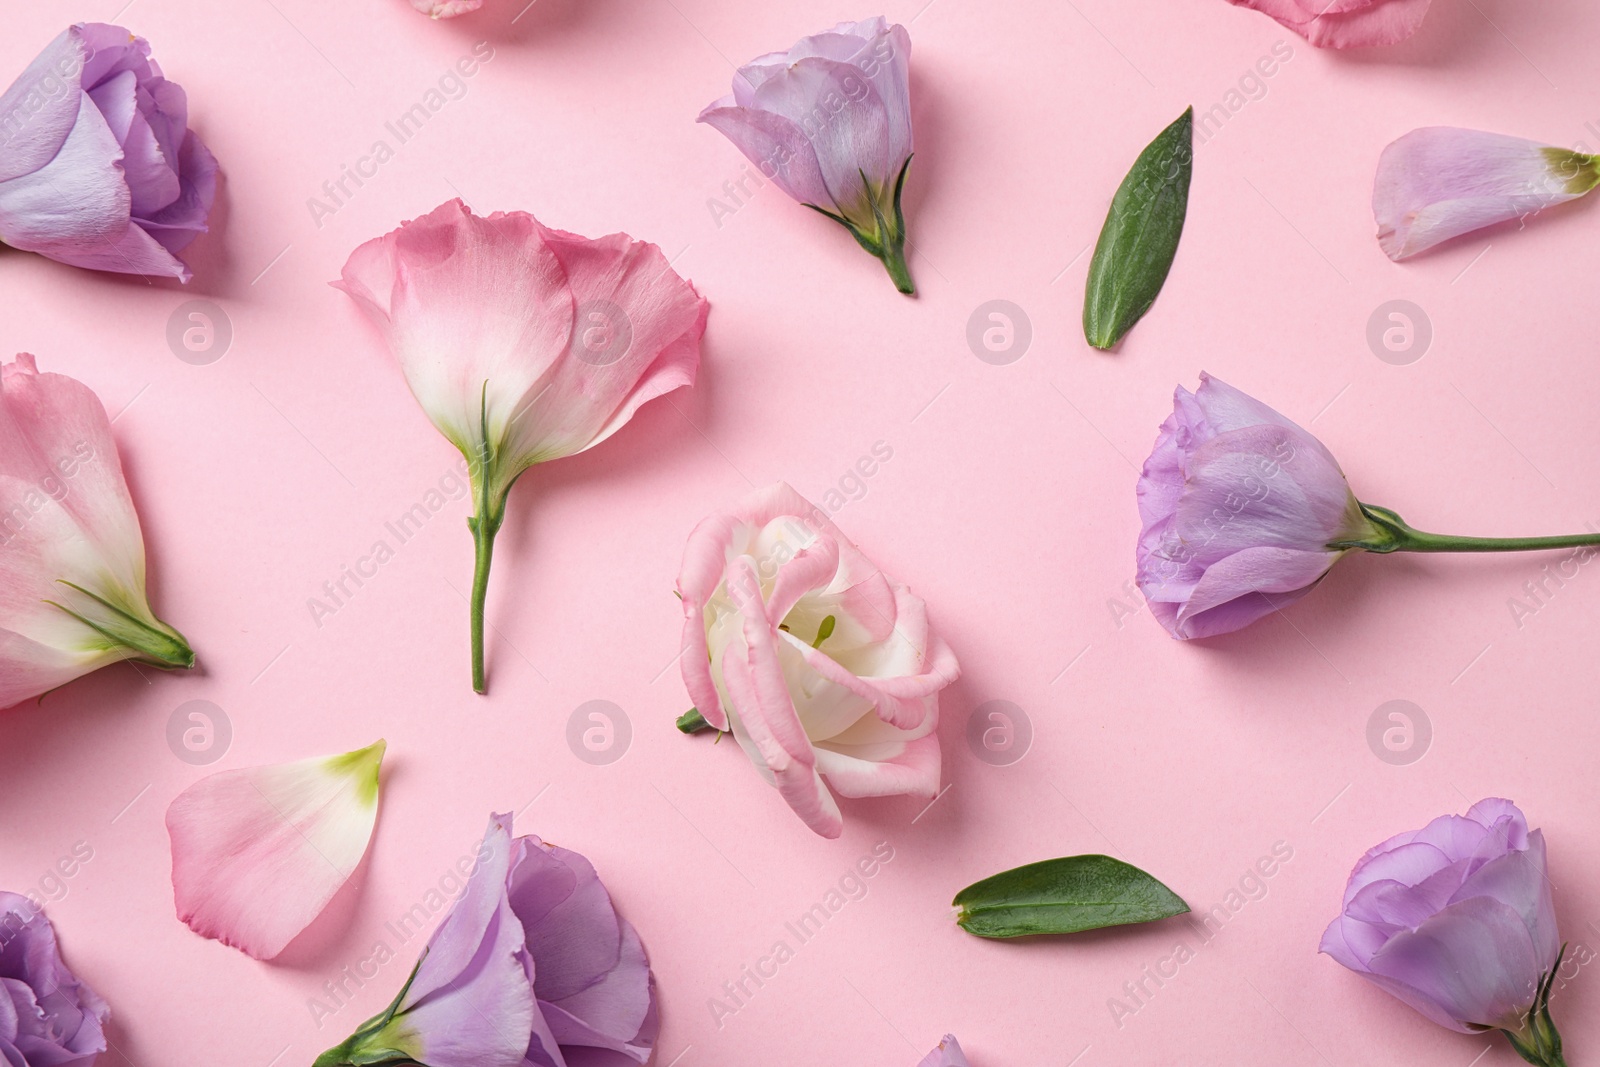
(1456, 920)
(1244, 512)
(829, 121)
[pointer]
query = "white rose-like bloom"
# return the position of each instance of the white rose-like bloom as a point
(821, 665)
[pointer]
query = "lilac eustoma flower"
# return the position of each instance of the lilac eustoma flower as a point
(532, 968)
(829, 121)
(948, 1054)
(98, 167)
(1456, 920)
(1440, 182)
(1239, 507)
(48, 1016)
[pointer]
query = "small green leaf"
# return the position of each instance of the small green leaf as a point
(1064, 896)
(1140, 237)
(692, 722)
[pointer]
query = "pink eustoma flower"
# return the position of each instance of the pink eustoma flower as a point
(72, 574)
(98, 166)
(948, 1054)
(1457, 920)
(1345, 23)
(258, 853)
(446, 9)
(1439, 182)
(524, 344)
(819, 663)
(532, 967)
(829, 121)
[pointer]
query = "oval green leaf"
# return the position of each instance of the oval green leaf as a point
(1064, 896)
(1140, 238)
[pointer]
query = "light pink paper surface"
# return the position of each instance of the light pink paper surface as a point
(1007, 503)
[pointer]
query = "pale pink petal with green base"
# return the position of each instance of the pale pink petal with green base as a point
(258, 853)
(1439, 182)
(72, 570)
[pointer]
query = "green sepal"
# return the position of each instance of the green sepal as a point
(692, 722)
(151, 640)
(1537, 1041)
(886, 240)
(357, 1049)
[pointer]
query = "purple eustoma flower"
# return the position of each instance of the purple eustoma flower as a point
(98, 167)
(948, 1054)
(1244, 512)
(48, 1017)
(829, 121)
(1457, 921)
(532, 968)
(1239, 507)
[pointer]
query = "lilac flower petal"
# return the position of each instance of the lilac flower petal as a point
(99, 171)
(1439, 182)
(1475, 955)
(777, 147)
(1455, 920)
(846, 122)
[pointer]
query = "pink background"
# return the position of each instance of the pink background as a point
(1008, 504)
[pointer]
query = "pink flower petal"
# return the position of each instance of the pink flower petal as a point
(258, 853)
(1346, 23)
(1440, 182)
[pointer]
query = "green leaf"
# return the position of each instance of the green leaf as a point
(1064, 896)
(1140, 237)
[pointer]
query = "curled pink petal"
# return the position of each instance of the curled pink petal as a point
(1345, 23)
(258, 853)
(1440, 182)
(446, 9)
(821, 666)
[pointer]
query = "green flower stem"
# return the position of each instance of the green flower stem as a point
(1391, 533)
(483, 534)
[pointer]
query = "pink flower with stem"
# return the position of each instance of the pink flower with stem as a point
(523, 344)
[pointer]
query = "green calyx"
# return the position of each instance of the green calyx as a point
(1537, 1040)
(1580, 171)
(692, 722)
(124, 623)
(1390, 533)
(376, 1042)
(886, 237)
